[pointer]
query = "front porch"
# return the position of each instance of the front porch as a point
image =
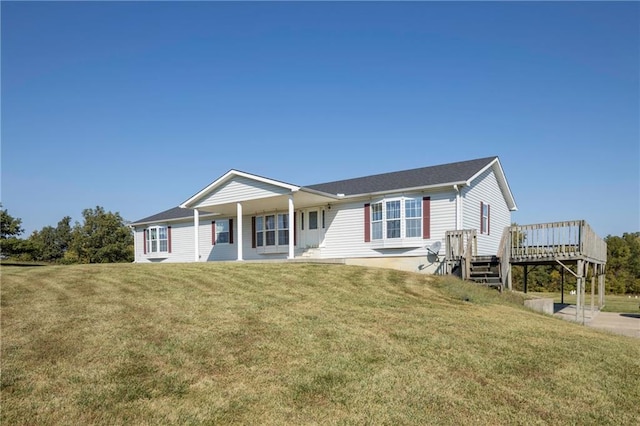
(272, 217)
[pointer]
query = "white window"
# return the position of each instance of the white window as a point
(272, 230)
(393, 218)
(484, 220)
(413, 218)
(376, 221)
(222, 231)
(313, 220)
(396, 218)
(260, 231)
(283, 229)
(157, 239)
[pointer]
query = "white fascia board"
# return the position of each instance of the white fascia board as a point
(175, 219)
(502, 181)
(324, 194)
(229, 175)
(399, 190)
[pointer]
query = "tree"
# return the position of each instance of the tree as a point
(9, 230)
(623, 263)
(9, 226)
(51, 244)
(103, 237)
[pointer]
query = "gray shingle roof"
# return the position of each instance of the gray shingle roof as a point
(424, 176)
(173, 213)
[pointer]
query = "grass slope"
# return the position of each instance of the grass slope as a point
(295, 344)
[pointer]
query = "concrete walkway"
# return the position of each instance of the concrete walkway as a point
(625, 324)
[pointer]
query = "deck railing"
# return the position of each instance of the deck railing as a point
(461, 246)
(504, 253)
(571, 239)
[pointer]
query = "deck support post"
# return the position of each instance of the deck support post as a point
(509, 282)
(601, 287)
(579, 290)
(526, 272)
(593, 287)
(562, 286)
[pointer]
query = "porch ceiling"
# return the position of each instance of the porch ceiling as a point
(301, 200)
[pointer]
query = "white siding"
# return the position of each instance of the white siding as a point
(485, 189)
(209, 251)
(241, 189)
(345, 229)
(181, 244)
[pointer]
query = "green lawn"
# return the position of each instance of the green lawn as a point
(613, 302)
(242, 343)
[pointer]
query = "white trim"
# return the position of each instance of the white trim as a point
(177, 219)
(458, 208)
(404, 190)
(230, 174)
(135, 243)
(502, 181)
(239, 227)
(292, 230)
(196, 229)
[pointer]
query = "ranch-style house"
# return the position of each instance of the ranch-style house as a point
(392, 218)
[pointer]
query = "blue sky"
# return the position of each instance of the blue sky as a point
(135, 106)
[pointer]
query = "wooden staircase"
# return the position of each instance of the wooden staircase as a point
(485, 270)
(463, 261)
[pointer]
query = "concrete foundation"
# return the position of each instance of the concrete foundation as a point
(544, 305)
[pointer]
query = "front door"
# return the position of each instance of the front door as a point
(310, 228)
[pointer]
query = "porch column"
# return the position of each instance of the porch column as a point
(196, 227)
(239, 227)
(291, 228)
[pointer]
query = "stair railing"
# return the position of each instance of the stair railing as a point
(504, 254)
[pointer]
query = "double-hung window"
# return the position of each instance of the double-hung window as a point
(393, 218)
(397, 218)
(283, 229)
(376, 221)
(272, 230)
(413, 218)
(484, 218)
(157, 240)
(222, 231)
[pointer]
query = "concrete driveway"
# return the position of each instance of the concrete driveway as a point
(625, 324)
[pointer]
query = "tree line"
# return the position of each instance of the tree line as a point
(101, 237)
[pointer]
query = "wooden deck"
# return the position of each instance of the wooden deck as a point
(571, 244)
(550, 242)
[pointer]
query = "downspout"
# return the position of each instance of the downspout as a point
(458, 208)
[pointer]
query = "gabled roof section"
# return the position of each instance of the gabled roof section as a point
(174, 213)
(442, 175)
(230, 175)
(502, 182)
